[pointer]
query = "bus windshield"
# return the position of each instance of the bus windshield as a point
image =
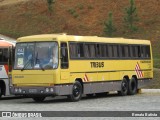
(39, 55)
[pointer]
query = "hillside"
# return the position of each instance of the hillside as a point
(8, 2)
(79, 17)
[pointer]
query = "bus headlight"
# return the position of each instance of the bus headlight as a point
(47, 89)
(51, 90)
(16, 90)
(20, 90)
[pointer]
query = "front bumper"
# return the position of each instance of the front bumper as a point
(45, 91)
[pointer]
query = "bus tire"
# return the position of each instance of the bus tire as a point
(124, 87)
(132, 86)
(38, 99)
(76, 92)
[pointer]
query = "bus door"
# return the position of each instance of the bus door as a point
(10, 57)
(64, 62)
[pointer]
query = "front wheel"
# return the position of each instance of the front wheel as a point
(76, 92)
(124, 87)
(132, 86)
(38, 99)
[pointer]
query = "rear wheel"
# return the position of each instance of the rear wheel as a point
(124, 87)
(38, 99)
(76, 92)
(132, 86)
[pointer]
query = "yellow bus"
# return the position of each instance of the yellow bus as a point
(68, 65)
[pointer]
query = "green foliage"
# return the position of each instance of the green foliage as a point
(131, 16)
(73, 12)
(109, 28)
(80, 6)
(90, 7)
(50, 5)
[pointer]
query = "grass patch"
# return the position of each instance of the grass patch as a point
(155, 84)
(156, 62)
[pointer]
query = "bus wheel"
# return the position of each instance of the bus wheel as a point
(76, 92)
(124, 87)
(132, 86)
(38, 99)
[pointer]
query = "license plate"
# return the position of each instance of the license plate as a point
(32, 90)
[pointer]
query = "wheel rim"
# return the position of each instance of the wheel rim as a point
(124, 86)
(76, 90)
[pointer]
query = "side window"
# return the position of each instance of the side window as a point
(110, 51)
(73, 50)
(135, 51)
(98, 51)
(1, 54)
(115, 51)
(148, 53)
(64, 56)
(124, 50)
(11, 57)
(90, 50)
(4, 55)
(145, 51)
(76, 50)
(127, 52)
(80, 50)
(102, 50)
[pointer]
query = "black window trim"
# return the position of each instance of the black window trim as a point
(130, 56)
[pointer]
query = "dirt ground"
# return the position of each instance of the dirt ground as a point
(6, 2)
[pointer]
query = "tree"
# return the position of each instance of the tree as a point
(131, 16)
(109, 27)
(50, 3)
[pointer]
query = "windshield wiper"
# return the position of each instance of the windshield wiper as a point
(27, 63)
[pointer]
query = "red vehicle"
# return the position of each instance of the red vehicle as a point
(6, 56)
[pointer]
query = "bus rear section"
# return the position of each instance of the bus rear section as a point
(51, 65)
(6, 54)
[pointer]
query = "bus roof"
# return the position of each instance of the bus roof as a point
(5, 43)
(64, 37)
